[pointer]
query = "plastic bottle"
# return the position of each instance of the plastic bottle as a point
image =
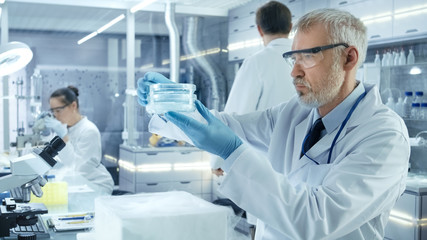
(415, 111)
(418, 97)
(377, 60)
(389, 58)
(411, 57)
(423, 111)
(402, 57)
(399, 107)
(407, 105)
(391, 104)
(384, 61)
(395, 57)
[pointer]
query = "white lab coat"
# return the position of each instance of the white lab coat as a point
(264, 80)
(294, 198)
(82, 153)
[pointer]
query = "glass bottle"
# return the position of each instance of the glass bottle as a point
(423, 111)
(407, 105)
(415, 111)
(377, 60)
(402, 57)
(411, 57)
(399, 107)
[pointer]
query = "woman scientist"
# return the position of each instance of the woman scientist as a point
(82, 152)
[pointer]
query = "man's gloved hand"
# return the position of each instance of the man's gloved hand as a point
(214, 137)
(144, 85)
(59, 128)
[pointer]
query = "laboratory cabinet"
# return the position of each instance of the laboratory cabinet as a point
(165, 169)
(409, 216)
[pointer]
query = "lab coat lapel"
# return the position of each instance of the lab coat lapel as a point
(300, 132)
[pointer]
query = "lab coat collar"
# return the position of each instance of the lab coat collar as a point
(332, 122)
(280, 42)
(334, 118)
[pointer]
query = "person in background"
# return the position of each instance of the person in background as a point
(83, 151)
(334, 158)
(264, 79)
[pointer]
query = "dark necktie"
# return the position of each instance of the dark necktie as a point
(313, 136)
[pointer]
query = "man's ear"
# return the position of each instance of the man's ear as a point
(351, 58)
(261, 33)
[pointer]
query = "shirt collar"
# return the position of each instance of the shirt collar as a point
(334, 118)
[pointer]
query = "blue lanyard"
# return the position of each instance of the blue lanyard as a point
(339, 131)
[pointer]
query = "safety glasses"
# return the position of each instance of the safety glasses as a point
(58, 110)
(310, 57)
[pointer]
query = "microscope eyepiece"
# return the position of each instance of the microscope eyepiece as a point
(55, 145)
(51, 150)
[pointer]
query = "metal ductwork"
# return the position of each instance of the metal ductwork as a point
(173, 41)
(209, 71)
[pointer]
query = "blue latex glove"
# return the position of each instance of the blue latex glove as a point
(59, 128)
(144, 85)
(214, 137)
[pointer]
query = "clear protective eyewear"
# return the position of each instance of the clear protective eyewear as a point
(310, 57)
(58, 110)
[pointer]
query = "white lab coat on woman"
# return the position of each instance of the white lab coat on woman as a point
(292, 197)
(264, 80)
(82, 153)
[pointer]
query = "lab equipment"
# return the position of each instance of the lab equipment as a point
(26, 170)
(18, 218)
(399, 106)
(402, 57)
(411, 57)
(144, 85)
(395, 57)
(215, 137)
(33, 139)
(415, 111)
(384, 61)
(148, 215)
(423, 112)
(59, 128)
(391, 104)
(377, 60)
(407, 105)
(418, 97)
(164, 97)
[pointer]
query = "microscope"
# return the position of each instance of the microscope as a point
(26, 172)
(34, 139)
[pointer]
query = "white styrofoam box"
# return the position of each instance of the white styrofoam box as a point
(159, 216)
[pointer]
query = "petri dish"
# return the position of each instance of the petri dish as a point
(165, 97)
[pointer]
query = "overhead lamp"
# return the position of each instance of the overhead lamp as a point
(13, 57)
(101, 29)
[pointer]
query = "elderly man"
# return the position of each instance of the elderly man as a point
(334, 159)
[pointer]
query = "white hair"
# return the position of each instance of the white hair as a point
(341, 26)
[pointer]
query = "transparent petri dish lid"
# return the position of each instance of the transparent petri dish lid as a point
(175, 97)
(177, 88)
